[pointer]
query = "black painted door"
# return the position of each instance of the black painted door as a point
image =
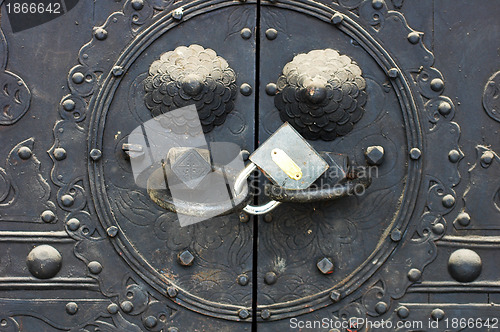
(408, 89)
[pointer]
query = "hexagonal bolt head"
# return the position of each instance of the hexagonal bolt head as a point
(335, 296)
(325, 266)
(374, 155)
(185, 258)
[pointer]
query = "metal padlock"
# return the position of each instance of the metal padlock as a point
(287, 160)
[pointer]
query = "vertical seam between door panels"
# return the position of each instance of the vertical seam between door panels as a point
(256, 144)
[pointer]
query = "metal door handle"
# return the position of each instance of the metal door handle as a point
(354, 184)
(162, 196)
(349, 188)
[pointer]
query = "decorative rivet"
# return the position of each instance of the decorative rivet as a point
(271, 89)
(377, 4)
(185, 258)
(335, 296)
(403, 312)
(246, 89)
(437, 314)
(172, 292)
(244, 217)
(177, 14)
(246, 33)
(444, 108)
(243, 279)
(117, 71)
(73, 224)
(59, 154)
(265, 314)
(438, 228)
(374, 155)
(173, 329)
(243, 313)
(78, 78)
(437, 84)
(413, 37)
(381, 307)
(245, 155)
(268, 217)
(150, 322)
(71, 308)
(44, 261)
(67, 200)
(396, 235)
(464, 265)
(95, 267)
(48, 216)
(113, 308)
(415, 153)
(454, 156)
(337, 18)
(393, 72)
(448, 201)
(414, 275)
(137, 4)
(325, 266)
(127, 306)
(24, 152)
(487, 157)
(95, 154)
(112, 231)
(271, 34)
(100, 33)
(463, 219)
(270, 278)
(68, 105)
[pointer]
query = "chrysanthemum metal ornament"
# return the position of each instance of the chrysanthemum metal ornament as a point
(191, 75)
(322, 94)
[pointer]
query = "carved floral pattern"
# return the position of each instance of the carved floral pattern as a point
(15, 96)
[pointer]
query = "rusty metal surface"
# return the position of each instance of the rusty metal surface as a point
(407, 88)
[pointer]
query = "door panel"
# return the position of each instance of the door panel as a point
(102, 255)
(383, 255)
(300, 235)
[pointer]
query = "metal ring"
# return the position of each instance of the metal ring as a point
(239, 185)
(261, 209)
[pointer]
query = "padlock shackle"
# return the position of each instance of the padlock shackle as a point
(239, 185)
(242, 177)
